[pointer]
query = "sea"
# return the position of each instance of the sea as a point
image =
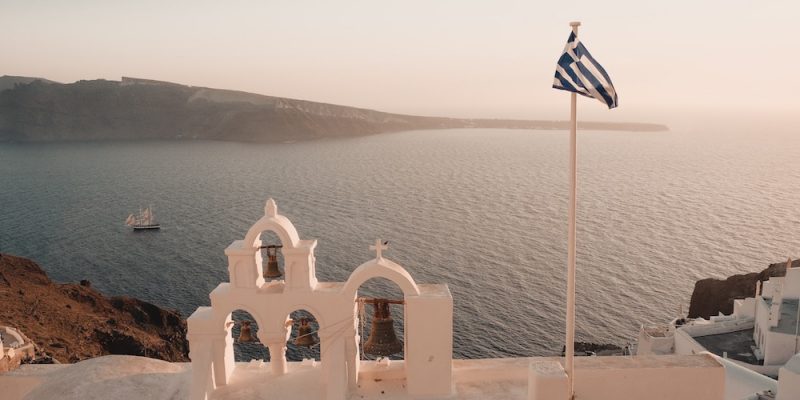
(484, 211)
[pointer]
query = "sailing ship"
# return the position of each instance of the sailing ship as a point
(145, 220)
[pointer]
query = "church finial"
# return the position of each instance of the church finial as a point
(271, 209)
(379, 246)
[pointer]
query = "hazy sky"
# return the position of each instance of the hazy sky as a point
(435, 57)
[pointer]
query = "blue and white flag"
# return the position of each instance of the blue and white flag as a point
(577, 71)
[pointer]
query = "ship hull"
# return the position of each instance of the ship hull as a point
(146, 227)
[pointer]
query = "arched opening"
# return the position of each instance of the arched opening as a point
(379, 288)
(270, 256)
(246, 343)
(304, 339)
(272, 221)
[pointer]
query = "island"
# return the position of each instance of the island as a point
(38, 110)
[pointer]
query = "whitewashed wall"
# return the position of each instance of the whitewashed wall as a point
(698, 377)
(780, 348)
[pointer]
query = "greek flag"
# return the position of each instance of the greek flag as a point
(577, 71)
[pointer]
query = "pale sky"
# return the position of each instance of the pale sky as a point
(432, 57)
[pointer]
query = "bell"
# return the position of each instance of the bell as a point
(272, 262)
(382, 339)
(304, 334)
(245, 333)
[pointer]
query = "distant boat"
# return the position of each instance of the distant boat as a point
(145, 220)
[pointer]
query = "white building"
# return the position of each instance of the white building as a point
(777, 317)
(14, 347)
(761, 334)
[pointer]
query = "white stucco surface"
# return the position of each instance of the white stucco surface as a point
(128, 377)
(118, 377)
(789, 380)
(741, 382)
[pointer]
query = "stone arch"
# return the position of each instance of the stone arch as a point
(380, 268)
(290, 308)
(272, 221)
(317, 330)
(246, 351)
(364, 325)
(269, 237)
(221, 317)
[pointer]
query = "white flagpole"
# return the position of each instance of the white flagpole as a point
(573, 194)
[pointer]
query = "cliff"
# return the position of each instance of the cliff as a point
(712, 296)
(9, 81)
(37, 110)
(73, 322)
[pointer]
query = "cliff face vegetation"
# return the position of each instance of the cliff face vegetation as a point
(712, 296)
(38, 110)
(73, 322)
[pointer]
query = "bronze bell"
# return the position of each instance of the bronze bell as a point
(245, 332)
(272, 262)
(304, 335)
(382, 339)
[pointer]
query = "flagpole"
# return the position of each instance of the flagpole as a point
(573, 192)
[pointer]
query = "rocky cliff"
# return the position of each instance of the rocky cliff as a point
(9, 81)
(73, 322)
(712, 296)
(38, 110)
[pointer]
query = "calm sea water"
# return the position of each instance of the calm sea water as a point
(482, 210)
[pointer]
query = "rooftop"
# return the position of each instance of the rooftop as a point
(738, 345)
